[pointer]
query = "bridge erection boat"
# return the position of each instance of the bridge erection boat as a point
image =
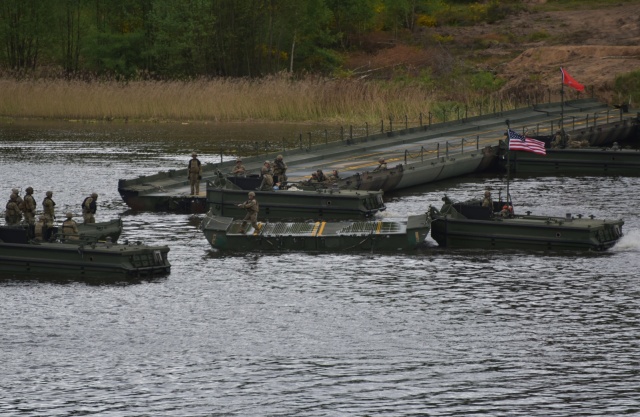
(225, 193)
(224, 233)
(470, 225)
(78, 259)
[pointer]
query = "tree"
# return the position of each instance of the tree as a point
(23, 31)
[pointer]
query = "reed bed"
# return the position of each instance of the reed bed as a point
(276, 98)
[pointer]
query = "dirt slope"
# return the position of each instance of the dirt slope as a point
(528, 49)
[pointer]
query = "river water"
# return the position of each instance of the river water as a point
(436, 332)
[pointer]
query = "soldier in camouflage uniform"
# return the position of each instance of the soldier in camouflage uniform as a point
(70, 228)
(195, 174)
(487, 201)
(252, 207)
(29, 207)
(89, 208)
(19, 199)
(239, 169)
(267, 177)
(48, 206)
(279, 170)
(38, 232)
(13, 215)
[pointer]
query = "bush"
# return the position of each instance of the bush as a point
(627, 88)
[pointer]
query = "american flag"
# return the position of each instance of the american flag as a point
(518, 142)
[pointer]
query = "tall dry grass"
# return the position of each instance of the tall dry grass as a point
(277, 98)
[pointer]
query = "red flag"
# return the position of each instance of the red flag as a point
(570, 81)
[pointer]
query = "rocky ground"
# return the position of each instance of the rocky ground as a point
(527, 50)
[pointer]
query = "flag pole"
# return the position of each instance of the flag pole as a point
(508, 160)
(561, 101)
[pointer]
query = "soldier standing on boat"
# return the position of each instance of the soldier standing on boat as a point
(13, 215)
(89, 208)
(38, 232)
(70, 228)
(252, 207)
(48, 206)
(279, 170)
(195, 174)
(19, 199)
(29, 207)
(334, 177)
(487, 201)
(267, 177)
(382, 165)
(239, 169)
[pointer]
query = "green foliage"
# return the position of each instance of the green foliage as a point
(24, 32)
(539, 35)
(464, 13)
(627, 88)
(485, 82)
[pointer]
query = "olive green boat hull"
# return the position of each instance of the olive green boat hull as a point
(380, 236)
(101, 231)
(78, 260)
(326, 204)
(464, 225)
(591, 161)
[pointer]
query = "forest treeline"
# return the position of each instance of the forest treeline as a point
(177, 39)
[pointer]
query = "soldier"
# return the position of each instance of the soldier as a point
(252, 207)
(334, 177)
(19, 199)
(29, 207)
(13, 215)
(89, 208)
(48, 206)
(267, 177)
(195, 174)
(70, 228)
(487, 201)
(39, 228)
(279, 170)
(382, 165)
(238, 169)
(320, 176)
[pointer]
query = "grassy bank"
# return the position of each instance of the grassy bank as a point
(277, 98)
